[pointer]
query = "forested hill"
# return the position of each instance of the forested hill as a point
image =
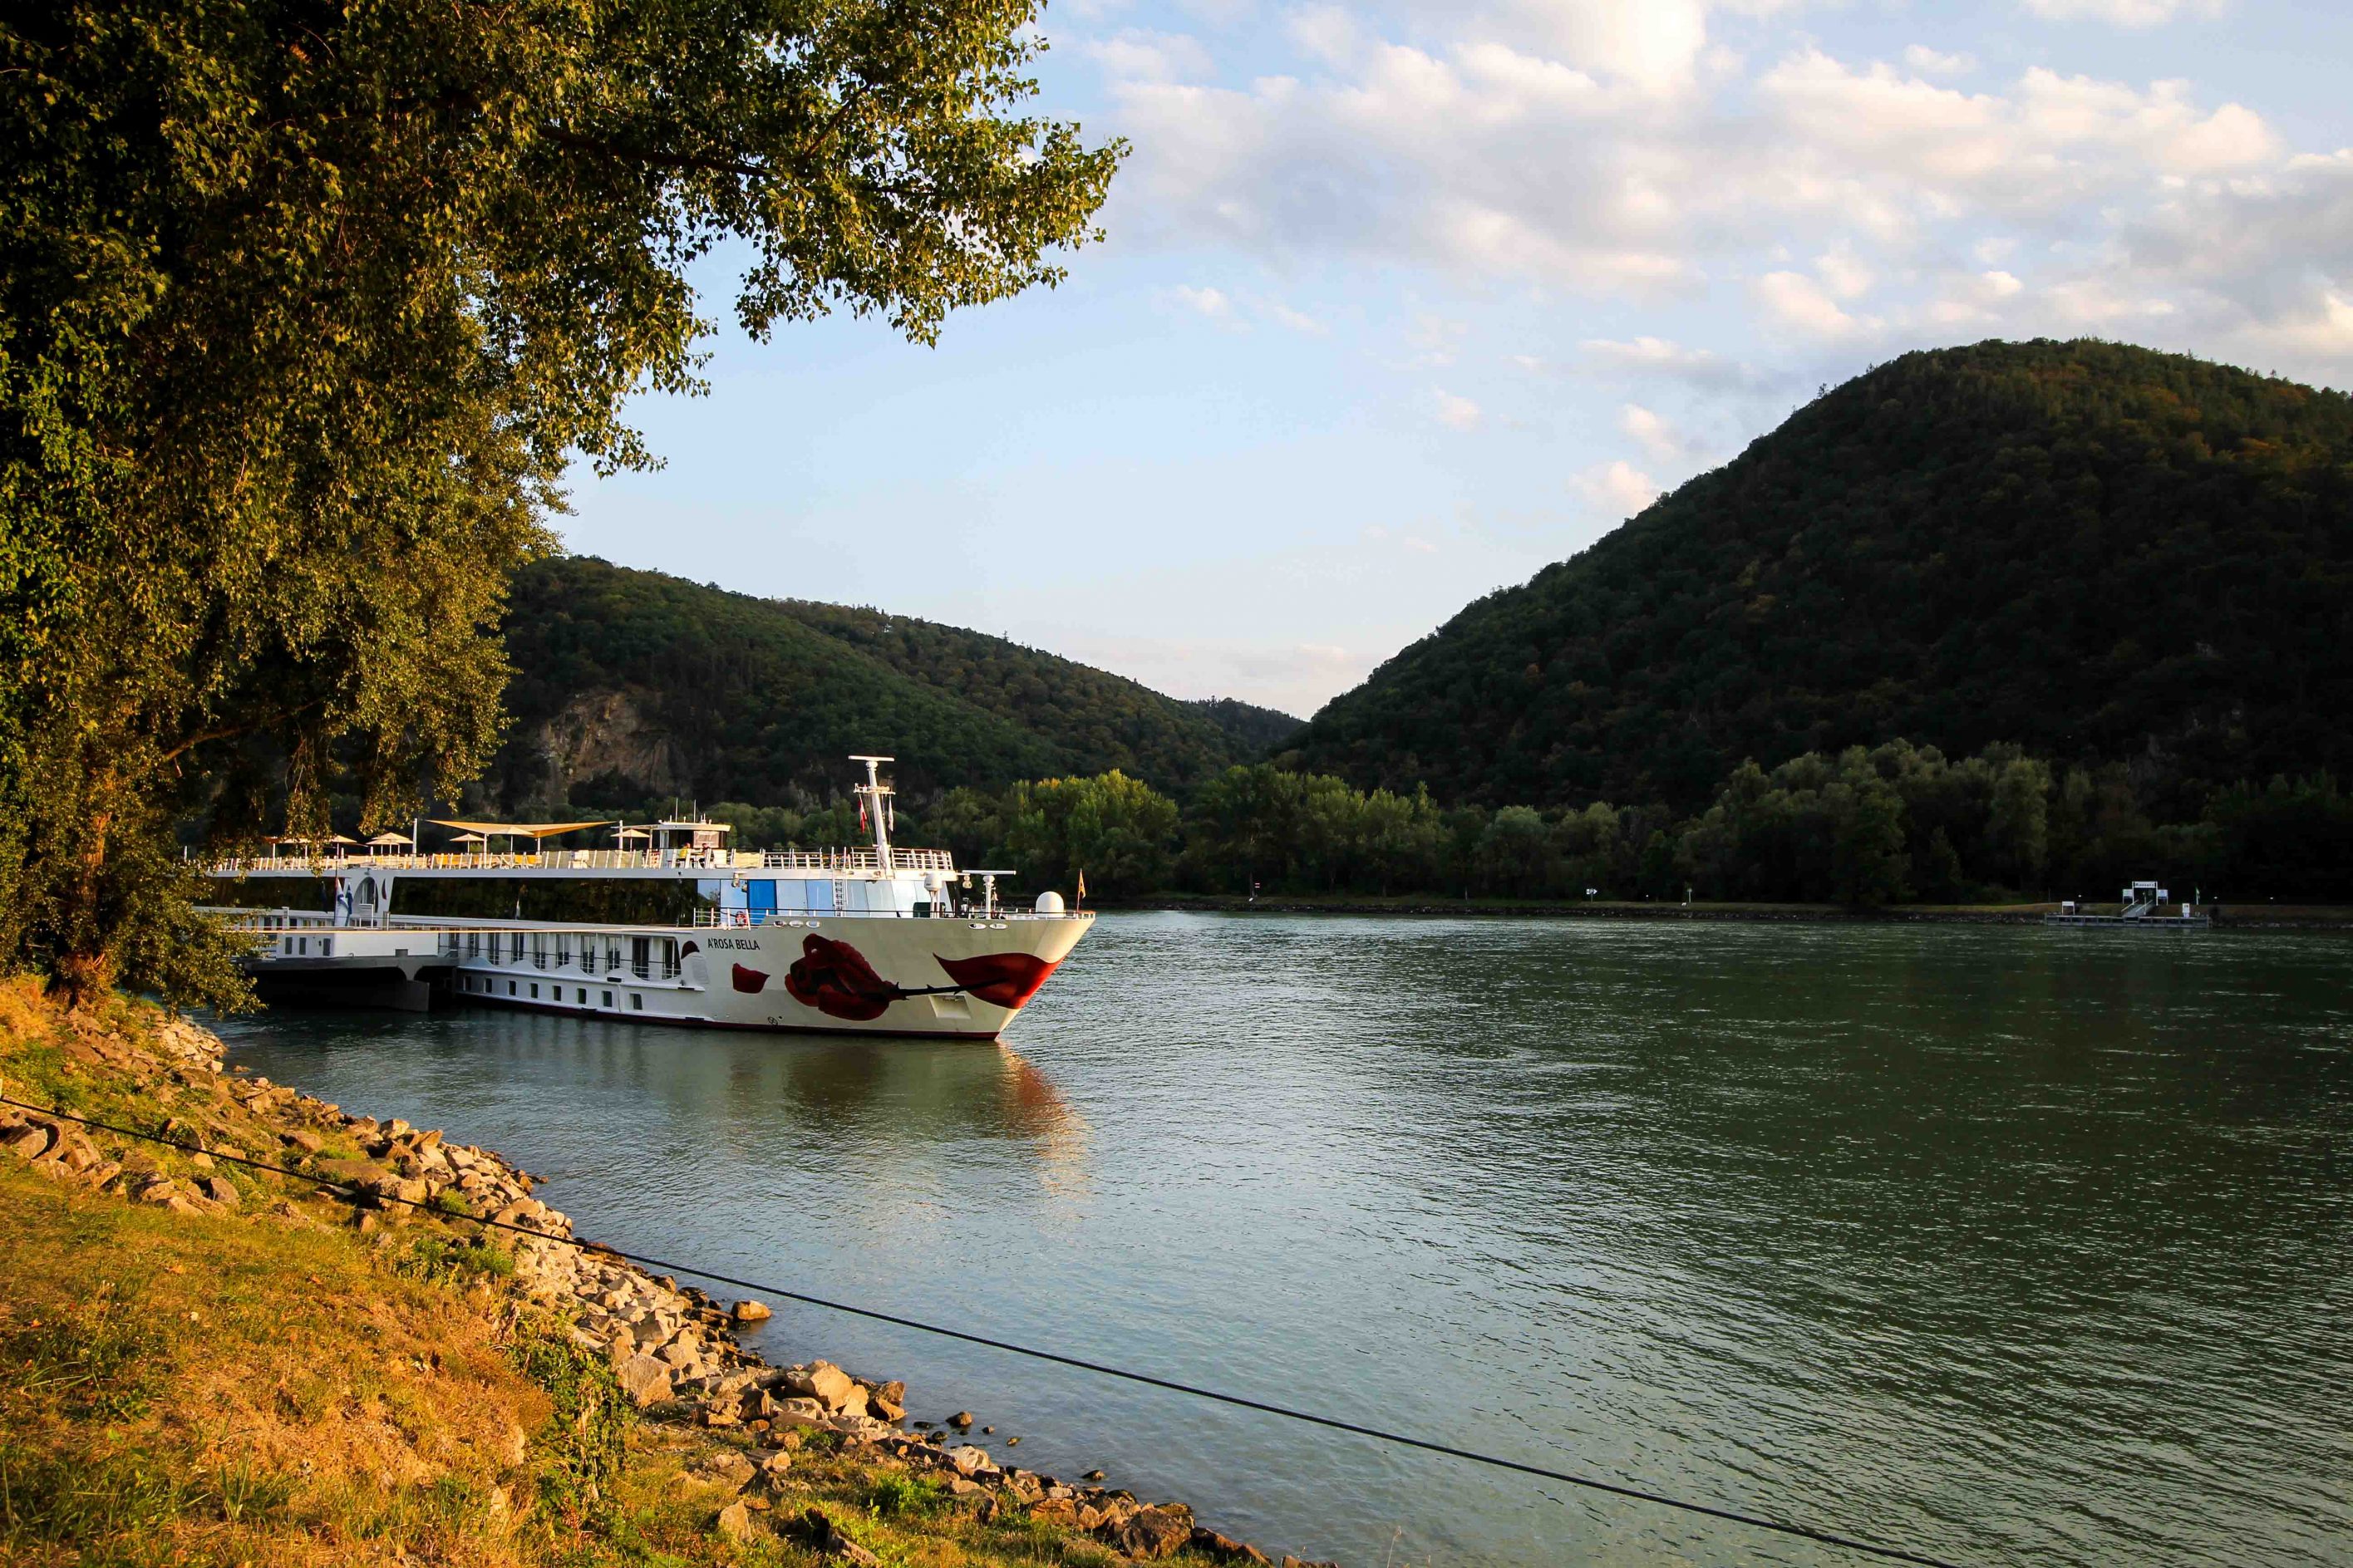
(631, 685)
(1255, 729)
(2098, 551)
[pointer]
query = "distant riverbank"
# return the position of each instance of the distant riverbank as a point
(2252, 917)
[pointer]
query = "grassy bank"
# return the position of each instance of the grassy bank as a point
(202, 1365)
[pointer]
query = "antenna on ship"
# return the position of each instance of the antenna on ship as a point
(877, 794)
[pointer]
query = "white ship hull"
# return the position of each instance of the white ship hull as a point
(964, 978)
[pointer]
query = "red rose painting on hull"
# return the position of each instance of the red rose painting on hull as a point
(1001, 979)
(835, 978)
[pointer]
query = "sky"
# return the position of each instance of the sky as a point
(1402, 301)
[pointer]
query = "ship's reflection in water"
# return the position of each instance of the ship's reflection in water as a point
(608, 1110)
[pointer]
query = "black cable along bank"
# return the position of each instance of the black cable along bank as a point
(1472, 1456)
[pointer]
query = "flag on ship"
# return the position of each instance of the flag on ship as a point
(1082, 887)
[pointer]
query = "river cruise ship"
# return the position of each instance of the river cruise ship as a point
(875, 940)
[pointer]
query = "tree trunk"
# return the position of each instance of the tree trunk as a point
(85, 969)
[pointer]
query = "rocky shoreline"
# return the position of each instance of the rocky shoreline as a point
(672, 1348)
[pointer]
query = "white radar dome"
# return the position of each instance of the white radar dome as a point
(1049, 903)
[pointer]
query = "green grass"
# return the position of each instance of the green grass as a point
(897, 1494)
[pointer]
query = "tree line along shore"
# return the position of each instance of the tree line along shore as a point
(208, 1361)
(1892, 825)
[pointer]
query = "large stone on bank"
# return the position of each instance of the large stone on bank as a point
(1225, 1547)
(646, 1380)
(29, 1143)
(751, 1313)
(971, 1460)
(221, 1191)
(824, 1383)
(1156, 1532)
(727, 1467)
(888, 1401)
(735, 1522)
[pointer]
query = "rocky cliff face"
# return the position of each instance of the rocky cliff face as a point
(605, 734)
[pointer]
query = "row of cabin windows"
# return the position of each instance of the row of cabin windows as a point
(647, 957)
(488, 985)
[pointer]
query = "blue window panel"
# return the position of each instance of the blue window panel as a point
(761, 897)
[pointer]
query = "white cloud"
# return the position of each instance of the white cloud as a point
(1213, 303)
(1137, 55)
(1456, 413)
(1326, 32)
(2123, 13)
(1796, 301)
(1550, 145)
(1618, 487)
(1974, 300)
(2161, 126)
(1660, 359)
(1648, 354)
(1300, 322)
(1843, 273)
(1929, 62)
(1654, 45)
(1658, 438)
(1932, 151)
(2097, 303)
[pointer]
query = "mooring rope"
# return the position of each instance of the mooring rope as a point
(1471, 1456)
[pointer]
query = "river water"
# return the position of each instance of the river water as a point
(2004, 1245)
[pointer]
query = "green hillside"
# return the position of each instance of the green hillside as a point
(2097, 551)
(633, 686)
(1254, 728)
(1099, 719)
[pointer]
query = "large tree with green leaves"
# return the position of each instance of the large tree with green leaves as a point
(305, 307)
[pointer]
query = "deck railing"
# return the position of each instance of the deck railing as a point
(822, 862)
